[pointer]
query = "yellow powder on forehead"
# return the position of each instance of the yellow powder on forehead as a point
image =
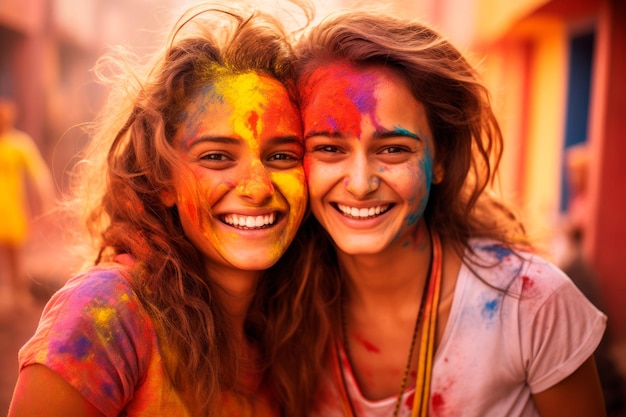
(247, 95)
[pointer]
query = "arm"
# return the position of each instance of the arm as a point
(42, 392)
(578, 395)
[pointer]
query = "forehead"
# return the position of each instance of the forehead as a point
(339, 96)
(247, 91)
(247, 105)
(358, 83)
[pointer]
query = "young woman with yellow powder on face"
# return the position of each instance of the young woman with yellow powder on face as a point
(189, 309)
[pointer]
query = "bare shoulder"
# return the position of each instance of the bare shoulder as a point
(42, 392)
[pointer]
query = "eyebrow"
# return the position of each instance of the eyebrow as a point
(226, 140)
(285, 140)
(396, 132)
(192, 141)
(327, 133)
(377, 135)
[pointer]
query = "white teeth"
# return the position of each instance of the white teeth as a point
(362, 212)
(249, 222)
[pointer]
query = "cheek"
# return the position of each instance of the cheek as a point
(412, 184)
(292, 186)
(198, 194)
(317, 174)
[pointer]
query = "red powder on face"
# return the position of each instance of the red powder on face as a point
(252, 122)
(336, 97)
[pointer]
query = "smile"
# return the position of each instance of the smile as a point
(363, 213)
(250, 222)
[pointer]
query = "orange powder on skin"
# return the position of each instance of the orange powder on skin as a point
(247, 96)
(257, 180)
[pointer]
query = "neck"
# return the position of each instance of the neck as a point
(389, 277)
(236, 290)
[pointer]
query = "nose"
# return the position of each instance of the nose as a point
(255, 183)
(361, 179)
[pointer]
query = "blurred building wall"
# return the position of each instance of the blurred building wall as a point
(529, 54)
(47, 51)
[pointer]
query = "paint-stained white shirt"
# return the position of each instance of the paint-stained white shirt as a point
(498, 348)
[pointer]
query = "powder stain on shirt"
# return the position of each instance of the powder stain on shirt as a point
(490, 308)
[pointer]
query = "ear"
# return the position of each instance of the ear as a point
(168, 197)
(438, 173)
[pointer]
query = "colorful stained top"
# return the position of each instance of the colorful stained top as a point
(95, 333)
(498, 348)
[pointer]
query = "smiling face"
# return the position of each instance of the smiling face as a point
(240, 190)
(369, 156)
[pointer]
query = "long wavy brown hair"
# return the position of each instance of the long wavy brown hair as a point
(119, 187)
(467, 137)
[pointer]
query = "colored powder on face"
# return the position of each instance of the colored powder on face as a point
(292, 186)
(405, 132)
(191, 208)
(247, 95)
(425, 169)
(341, 111)
(256, 181)
(206, 98)
(252, 122)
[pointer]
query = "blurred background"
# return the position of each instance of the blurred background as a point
(555, 69)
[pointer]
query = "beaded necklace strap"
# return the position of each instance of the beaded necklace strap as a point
(427, 321)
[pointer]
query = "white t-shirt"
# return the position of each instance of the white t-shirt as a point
(498, 348)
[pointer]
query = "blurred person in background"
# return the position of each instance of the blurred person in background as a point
(21, 165)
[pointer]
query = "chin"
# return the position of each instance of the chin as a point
(252, 264)
(361, 248)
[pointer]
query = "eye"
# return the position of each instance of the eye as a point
(215, 156)
(216, 160)
(327, 149)
(284, 160)
(284, 156)
(394, 149)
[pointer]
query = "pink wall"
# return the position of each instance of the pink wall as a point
(607, 228)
